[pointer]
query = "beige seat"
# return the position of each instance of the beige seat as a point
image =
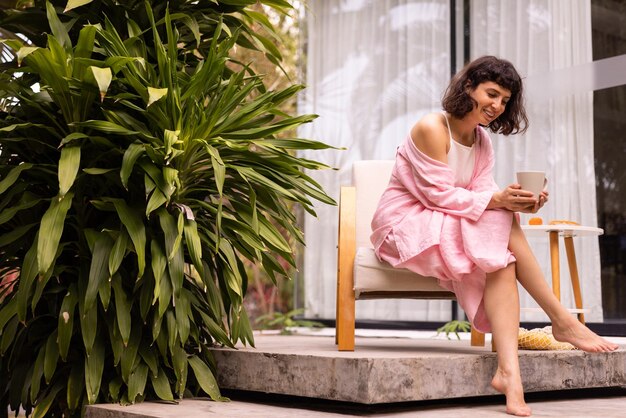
(360, 275)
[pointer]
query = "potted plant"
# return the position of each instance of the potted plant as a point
(139, 165)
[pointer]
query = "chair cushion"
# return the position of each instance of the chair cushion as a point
(372, 275)
(370, 178)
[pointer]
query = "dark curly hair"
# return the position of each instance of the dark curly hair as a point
(457, 101)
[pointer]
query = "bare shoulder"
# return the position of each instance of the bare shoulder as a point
(430, 135)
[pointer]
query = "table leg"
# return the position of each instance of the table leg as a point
(573, 272)
(554, 259)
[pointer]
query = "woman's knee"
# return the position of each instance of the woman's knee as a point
(507, 272)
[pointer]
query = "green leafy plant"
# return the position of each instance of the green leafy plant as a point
(285, 321)
(454, 326)
(133, 182)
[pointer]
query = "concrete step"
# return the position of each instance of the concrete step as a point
(388, 370)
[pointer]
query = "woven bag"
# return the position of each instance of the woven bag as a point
(540, 339)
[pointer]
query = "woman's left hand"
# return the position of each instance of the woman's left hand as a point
(543, 198)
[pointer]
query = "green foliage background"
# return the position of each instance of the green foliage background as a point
(133, 185)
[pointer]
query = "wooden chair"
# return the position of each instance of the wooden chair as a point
(360, 275)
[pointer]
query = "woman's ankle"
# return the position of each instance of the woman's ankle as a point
(508, 372)
(562, 319)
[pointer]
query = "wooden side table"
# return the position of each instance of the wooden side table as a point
(568, 232)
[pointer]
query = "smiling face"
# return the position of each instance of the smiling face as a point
(491, 100)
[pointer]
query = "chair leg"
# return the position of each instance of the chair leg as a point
(478, 338)
(345, 323)
(346, 251)
(345, 318)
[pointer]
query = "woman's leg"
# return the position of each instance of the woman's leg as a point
(501, 302)
(564, 326)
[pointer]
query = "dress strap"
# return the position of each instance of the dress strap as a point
(448, 123)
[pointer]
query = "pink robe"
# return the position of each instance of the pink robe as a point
(427, 225)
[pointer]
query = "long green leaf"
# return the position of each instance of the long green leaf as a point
(8, 334)
(284, 4)
(118, 252)
(159, 262)
(173, 249)
(7, 312)
(294, 143)
(216, 331)
(99, 268)
(220, 174)
(137, 382)
(68, 168)
(157, 200)
(73, 137)
(194, 246)
(52, 224)
(155, 94)
(27, 278)
(75, 386)
(82, 53)
(136, 230)
(85, 43)
(205, 378)
(37, 374)
(103, 77)
(23, 52)
(8, 214)
(66, 321)
(150, 357)
(156, 175)
(72, 4)
(232, 275)
(13, 175)
(117, 345)
(58, 29)
(114, 387)
(105, 126)
(192, 24)
(165, 293)
(161, 386)
(133, 152)
(182, 309)
(129, 354)
(88, 326)
(52, 356)
(122, 309)
(41, 410)
(172, 331)
(94, 366)
(179, 361)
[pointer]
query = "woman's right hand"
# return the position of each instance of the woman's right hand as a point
(513, 198)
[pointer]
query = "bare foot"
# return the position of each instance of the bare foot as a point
(572, 331)
(511, 387)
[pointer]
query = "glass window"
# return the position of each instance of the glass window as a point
(609, 40)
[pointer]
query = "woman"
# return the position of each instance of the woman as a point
(443, 215)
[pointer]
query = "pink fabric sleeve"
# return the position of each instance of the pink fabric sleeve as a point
(432, 182)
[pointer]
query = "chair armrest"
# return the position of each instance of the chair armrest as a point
(346, 247)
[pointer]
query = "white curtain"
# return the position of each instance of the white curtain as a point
(540, 37)
(373, 68)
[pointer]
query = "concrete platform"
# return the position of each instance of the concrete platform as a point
(317, 381)
(390, 370)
